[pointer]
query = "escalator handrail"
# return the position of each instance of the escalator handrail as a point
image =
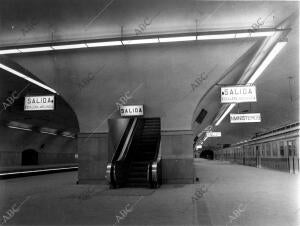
(154, 167)
(158, 149)
(122, 141)
(128, 140)
(111, 168)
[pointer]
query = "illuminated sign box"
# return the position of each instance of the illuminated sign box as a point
(132, 110)
(244, 118)
(199, 146)
(238, 94)
(213, 134)
(39, 103)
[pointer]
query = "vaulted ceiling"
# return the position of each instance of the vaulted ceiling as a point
(160, 76)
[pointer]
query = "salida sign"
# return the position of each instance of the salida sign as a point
(39, 103)
(132, 110)
(238, 94)
(213, 134)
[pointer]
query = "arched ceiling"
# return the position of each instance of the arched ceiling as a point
(13, 90)
(159, 76)
(37, 21)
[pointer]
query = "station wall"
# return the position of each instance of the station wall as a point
(51, 149)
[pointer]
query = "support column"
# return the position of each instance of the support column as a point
(177, 156)
(92, 157)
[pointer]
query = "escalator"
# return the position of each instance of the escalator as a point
(136, 161)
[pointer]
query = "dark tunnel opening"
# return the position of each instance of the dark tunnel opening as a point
(207, 154)
(29, 157)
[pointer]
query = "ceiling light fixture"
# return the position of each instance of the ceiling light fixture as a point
(9, 51)
(225, 114)
(35, 49)
(69, 136)
(20, 128)
(267, 61)
(26, 78)
(140, 41)
(178, 39)
(48, 133)
(100, 44)
(262, 34)
(71, 46)
(217, 36)
(254, 34)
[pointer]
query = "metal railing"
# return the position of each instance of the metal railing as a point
(154, 174)
(117, 169)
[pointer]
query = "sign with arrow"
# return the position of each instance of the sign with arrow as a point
(238, 94)
(39, 103)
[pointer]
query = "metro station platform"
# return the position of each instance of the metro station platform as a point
(225, 194)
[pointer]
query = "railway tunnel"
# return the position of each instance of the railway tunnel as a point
(185, 110)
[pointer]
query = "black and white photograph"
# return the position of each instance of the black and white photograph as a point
(158, 112)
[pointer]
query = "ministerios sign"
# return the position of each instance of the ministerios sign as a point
(238, 94)
(244, 118)
(132, 110)
(39, 103)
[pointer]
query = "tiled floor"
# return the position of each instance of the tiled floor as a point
(225, 195)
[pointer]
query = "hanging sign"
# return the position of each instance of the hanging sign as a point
(244, 118)
(213, 134)
(39, 103)
(238, 94)
(132, 110)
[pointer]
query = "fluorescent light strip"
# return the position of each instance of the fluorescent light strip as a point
(224, 114)
(212, 37)
(178, 39)
(140, 41)
(48, 133)
(26, 78)
(243, 35)
(99, 44)
(20, 128)
(205, 138)
(69, 136)
(254, 34)
(33, 171)
(267, 61)
(262, 34)
(35, 49)
(235, 35)
(9, 51)
(72, 46)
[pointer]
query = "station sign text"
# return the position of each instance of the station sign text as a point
(213, 134)
(238, 94)
(39, 103)
(132, 110)
(244, 118)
